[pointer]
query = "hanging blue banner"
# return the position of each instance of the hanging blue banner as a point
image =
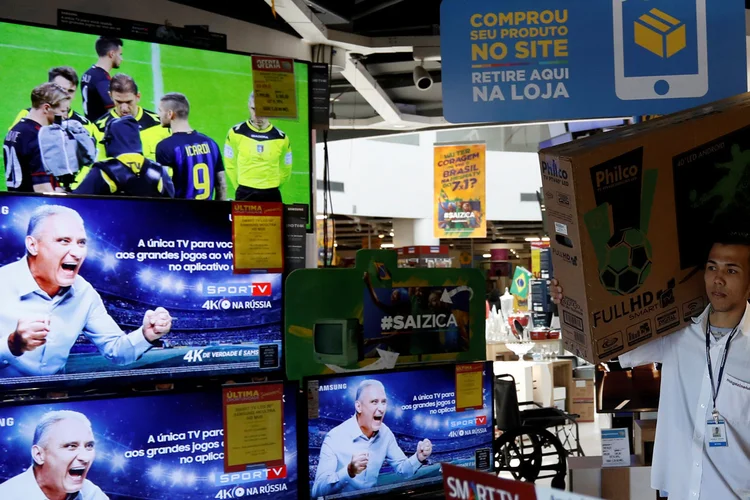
(521, 60)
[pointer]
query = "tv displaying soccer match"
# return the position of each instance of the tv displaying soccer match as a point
(259, 153)
(150, 447)
(96, 288)
(383, 433)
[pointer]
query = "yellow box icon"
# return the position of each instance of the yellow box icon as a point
(660, 33)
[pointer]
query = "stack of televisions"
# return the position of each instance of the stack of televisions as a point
(134, 441)
(92, 405)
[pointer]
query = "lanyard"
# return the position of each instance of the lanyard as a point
(715, 386)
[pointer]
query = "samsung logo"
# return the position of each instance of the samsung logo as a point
(332, 387)
(7, 422)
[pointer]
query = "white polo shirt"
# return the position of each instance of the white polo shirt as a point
(684, 465)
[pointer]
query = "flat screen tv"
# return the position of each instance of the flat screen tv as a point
(217, 85)
(386, 433)
(151, 447)
(80, 274)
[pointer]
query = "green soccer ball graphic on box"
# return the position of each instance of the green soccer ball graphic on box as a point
(627, 263)
(623, 254)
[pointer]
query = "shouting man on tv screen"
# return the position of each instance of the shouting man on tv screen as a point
(62, 453)
(353, 452)
(45, 305)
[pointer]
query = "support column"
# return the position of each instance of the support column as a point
(413, 232)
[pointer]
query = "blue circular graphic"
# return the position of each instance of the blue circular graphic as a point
(661, 87)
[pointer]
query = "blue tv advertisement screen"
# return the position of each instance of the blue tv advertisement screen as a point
(145, 447)
(97, 288)
(384, 433)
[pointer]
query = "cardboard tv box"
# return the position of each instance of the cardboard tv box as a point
(630, 213)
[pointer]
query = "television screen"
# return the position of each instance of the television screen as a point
(142, 447)
(329, 338)
(84, 278)
(417, 320)
(383, 433)
(217, 86)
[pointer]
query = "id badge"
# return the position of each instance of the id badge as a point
(717, 434)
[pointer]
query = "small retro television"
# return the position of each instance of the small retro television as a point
(338, 342)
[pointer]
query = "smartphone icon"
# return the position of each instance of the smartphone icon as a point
(661, 49)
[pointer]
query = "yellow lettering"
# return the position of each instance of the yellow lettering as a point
(522, 50)
(503, 51)
(561, 48)
(475, 35)
(197, 149)
(545, 45)
(519, 18)
(506, 18)
(479, 51)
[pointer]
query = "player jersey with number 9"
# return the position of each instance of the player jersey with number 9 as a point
(202, 181)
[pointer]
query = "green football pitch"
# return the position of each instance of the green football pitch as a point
(217, 84)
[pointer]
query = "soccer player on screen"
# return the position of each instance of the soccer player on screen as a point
(126, 171)
(62, 452)
(95, 81)
(67, 78)
(24, 168)
(195, 159)
(45, 305)
(353, 452)
(126, 98)
(257, 158)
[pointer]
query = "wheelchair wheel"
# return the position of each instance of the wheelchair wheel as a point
(522, 452)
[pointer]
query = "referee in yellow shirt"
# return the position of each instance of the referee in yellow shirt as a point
(257, 158)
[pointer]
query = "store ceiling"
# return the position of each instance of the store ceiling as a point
(384, 40)
(380, 37)
(358, 232)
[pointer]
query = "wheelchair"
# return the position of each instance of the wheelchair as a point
(524, 445)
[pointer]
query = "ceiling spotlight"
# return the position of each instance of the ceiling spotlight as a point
(381, 236)
(422, 78)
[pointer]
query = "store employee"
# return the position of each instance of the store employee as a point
(45, 304)
(702, 447)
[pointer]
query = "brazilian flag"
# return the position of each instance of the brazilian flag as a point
(520, 287)
(379, 274)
